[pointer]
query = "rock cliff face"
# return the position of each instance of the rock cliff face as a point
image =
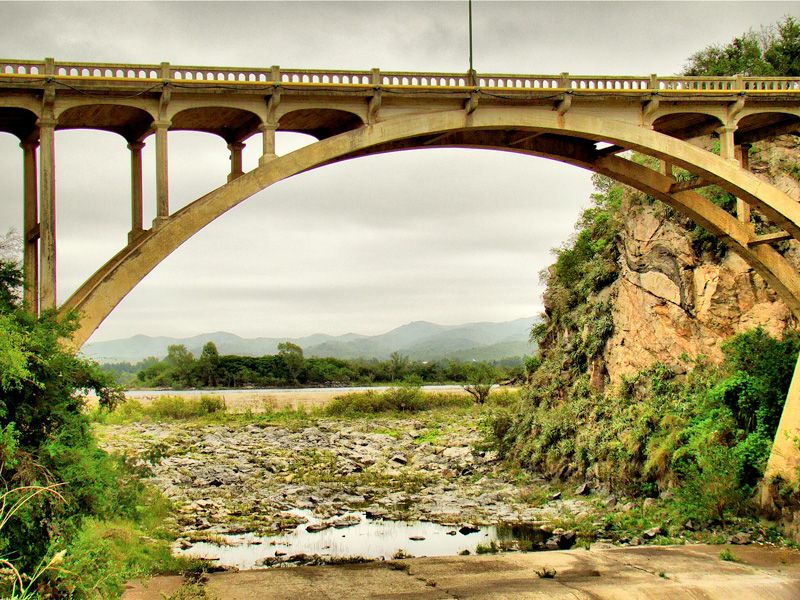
(672, 300)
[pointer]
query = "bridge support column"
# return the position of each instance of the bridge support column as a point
(742, 207)
(727, 148)
(784, 459)
(30, 230)
(268, 141)
(137, 221)
(162, 173)
(236, 160)
(47, 214)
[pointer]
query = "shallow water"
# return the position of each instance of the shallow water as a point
(369, 539)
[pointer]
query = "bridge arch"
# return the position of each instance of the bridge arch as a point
(131, 122)
(752, 126)
(320, 123)
(686, 125)
(539, 133)
(18, 121)
(231, 123)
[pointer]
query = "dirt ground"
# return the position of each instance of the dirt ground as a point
(660, 572)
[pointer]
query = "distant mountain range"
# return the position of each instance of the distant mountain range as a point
(419, 340)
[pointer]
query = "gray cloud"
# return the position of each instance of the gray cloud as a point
(365, 245)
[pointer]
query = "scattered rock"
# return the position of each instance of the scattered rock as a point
(651, 533)
(261, 472)
(627, 507)
(740, 538)
(583, 489)
(561, 540)
(555, 496)
(346, 521)
(610, 502)
(649, 502)
(689, 525)
(457, 452)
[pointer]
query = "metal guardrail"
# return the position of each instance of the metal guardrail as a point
(50, 68)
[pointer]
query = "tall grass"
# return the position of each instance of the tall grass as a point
(163, 408)
(406, 399)
(19, 585)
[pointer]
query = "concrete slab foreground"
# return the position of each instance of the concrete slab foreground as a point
(653, 572)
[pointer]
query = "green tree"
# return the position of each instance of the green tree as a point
(45, 437)
(208, 363)
(480, 379)
(773, 51)
(181, 365)
(784, 51)
(292, 357)
(398, 365)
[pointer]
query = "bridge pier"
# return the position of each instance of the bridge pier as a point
(742, 153)
(162, 175)
(47, 214)
(268, 143)
(784, 459)
(30, 228)
(727, 146)
(137, 222)
(236, 160)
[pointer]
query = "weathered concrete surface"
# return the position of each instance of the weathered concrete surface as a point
(669, 572)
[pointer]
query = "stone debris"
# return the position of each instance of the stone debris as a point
(235, 478)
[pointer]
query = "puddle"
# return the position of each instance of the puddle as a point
(368, 538)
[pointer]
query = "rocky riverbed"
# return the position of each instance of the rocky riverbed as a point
(229, 479)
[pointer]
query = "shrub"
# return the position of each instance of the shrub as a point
(403, 399)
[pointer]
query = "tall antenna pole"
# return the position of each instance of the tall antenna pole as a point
(471, 70)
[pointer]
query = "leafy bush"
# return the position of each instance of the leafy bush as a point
(177, 407)
(46, 442)
(401, 399)
(707, 433)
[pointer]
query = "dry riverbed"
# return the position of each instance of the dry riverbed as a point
(244, 484)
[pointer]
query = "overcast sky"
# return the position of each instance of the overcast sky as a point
(449, 236)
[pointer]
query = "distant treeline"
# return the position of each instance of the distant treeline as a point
(180, 369)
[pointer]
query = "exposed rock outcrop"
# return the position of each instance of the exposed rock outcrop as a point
(670, 301)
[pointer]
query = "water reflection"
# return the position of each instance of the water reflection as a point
(369, 539)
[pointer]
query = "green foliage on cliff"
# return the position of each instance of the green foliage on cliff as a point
(706, 433)
(774, 51)
(577, 319)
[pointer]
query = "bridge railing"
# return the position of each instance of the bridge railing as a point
(21, 67)
(376, 78)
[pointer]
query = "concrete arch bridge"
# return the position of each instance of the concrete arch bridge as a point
(586, 121)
